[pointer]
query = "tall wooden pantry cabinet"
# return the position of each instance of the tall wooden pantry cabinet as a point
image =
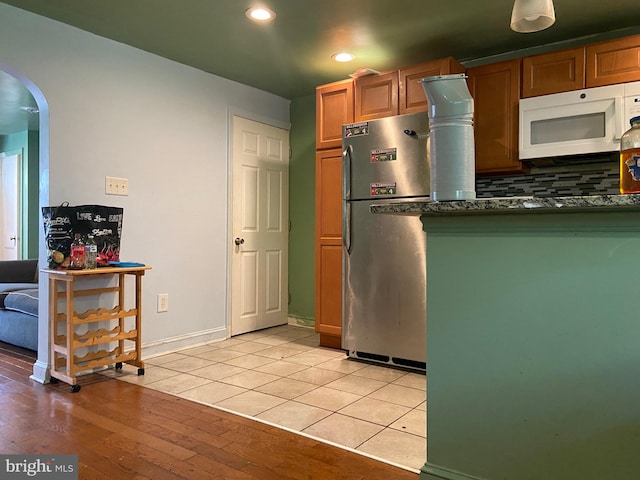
(334, 107)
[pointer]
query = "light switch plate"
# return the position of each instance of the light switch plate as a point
(116, 186)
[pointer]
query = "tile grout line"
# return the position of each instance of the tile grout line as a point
(308, 350)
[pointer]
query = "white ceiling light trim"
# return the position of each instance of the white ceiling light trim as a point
(530, 16)
(342, 57)
(260, 14)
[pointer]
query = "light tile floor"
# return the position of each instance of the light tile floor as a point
(282, 377)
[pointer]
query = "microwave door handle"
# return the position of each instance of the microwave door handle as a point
(619, 118)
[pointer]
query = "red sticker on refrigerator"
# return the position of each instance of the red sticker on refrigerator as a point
(384, 155)
(383, 188)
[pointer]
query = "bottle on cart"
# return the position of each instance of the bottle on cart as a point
(91, 253)
(630, 158)
(77, 255)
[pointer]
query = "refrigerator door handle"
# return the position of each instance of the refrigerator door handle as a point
(346, 177)
(346, 227)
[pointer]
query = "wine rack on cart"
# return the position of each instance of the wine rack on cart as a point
(102, 334)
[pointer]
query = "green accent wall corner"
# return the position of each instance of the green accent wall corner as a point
(302, 207)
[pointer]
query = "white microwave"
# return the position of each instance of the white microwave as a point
(577, 123)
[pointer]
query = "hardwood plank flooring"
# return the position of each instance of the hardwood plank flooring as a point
(121, 431)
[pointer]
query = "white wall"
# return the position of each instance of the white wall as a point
(118, 111)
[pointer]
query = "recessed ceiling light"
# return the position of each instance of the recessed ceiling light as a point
(342, 57)
(260, 14)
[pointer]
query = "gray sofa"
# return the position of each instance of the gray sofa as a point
(19, 303)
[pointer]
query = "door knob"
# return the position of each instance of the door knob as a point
(239, 241)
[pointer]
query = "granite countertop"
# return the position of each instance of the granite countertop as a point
(511, 205)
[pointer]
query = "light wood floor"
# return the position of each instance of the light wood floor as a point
(124, 431)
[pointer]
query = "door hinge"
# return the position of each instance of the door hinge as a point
(290, 153)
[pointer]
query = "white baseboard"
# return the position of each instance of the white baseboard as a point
(168, 345)
(160, 347)
(40, 372)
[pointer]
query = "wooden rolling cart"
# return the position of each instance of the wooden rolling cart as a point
(64, 323)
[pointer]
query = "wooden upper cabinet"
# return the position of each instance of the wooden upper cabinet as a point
(604, 63)
(615, 61)
(334, 107)
(376, 96)
(553, 72)
(495, 89)
(398, 92)
(411, 94)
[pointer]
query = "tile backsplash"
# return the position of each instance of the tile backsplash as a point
(590, 179)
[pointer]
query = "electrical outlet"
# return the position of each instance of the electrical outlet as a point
(116, 186)
(163, 302)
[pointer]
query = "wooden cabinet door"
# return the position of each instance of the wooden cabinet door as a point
(553, 72)
(615, 61)
(495, 89)
(334, 107)
(328, 244)
(376, 96)
(411, 94)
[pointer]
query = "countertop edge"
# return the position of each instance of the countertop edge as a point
(511, 205)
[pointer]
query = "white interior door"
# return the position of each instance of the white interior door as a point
(260, 217)
(10, 206)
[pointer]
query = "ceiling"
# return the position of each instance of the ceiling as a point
(292, 55)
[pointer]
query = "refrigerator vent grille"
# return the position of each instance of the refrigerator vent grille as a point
(398, 362)
(372, 356)
(410, 363)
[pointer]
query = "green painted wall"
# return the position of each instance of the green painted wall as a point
(10, 143)
(26, 143)
(532, 346)
(32, 185)
(302, 209)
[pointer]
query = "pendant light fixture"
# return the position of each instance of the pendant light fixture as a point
(532, 15)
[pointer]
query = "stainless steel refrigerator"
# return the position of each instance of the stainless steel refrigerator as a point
(384, 256)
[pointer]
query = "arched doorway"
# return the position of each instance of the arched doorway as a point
(24, 128)
(19, 154)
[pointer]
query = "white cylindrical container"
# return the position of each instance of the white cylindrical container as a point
(450, 146)
(451, 153)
